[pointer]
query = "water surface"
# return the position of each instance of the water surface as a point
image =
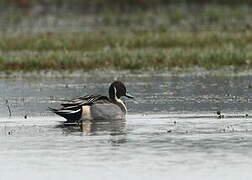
(172, 130)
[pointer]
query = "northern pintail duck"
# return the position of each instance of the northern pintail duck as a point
(96, 107)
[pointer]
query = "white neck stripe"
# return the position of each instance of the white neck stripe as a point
(120, 102)
(115, 94)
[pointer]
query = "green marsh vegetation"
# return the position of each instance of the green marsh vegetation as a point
(210, 36)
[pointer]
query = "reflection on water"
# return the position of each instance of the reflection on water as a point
(172, 130)
(114, 126)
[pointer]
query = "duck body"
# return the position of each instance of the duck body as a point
(96, 107)
(105, 111)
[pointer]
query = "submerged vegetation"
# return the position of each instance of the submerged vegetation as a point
(175, 36)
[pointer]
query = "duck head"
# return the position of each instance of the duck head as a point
(117, 89)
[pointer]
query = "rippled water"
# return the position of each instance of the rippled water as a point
(172, 130)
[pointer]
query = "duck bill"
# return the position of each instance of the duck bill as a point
(129, 96)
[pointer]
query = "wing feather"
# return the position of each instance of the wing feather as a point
(72, 109)
(86, 100)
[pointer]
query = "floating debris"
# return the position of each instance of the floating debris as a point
(220, 116)
(6, 103)
(51, 97)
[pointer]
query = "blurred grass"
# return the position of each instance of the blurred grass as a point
(177, 36)
(172, 17)
(121, 58)
(93, 41)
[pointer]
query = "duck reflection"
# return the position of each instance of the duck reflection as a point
(116, 129)
(113, 127)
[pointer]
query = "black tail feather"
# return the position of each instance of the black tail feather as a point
(71, 114)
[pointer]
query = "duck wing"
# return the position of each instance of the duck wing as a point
(72, 109)
(86, 100)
